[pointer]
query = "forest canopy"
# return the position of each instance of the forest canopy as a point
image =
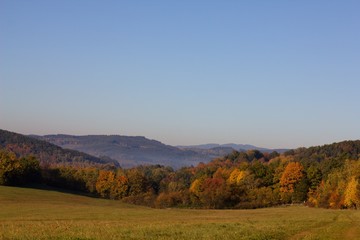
(326, 176)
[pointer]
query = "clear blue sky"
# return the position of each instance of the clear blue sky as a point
(268, 73)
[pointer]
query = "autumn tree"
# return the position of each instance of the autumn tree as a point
(329, 193)
(341, 189)
(352, 194)
(196, 187)
(105, 183)
(17, 171)
(9, 168)
(291, 177)
(237, 176)
(137, 182)
(120, 186)
(210, 192)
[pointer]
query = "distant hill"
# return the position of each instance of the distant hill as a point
(211, 153)
(130, 151)
(237, 147)
(47, 153)
(335, 151)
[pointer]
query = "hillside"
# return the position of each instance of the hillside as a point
(212, 152)
(130, 151)
(323, 176)
(30, 214)
(233, 146)
(47, 153)
(340, 150)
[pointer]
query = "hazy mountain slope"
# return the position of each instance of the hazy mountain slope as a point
(48, 153)
(129, 151)
(237, 147)
(212, 152)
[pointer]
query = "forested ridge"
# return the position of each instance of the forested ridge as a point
(47, 153)
(131, 151)
(325, 176)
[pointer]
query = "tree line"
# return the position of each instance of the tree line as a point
(327, 177)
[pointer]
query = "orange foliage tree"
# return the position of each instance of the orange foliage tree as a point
(104, 183)
(119, 188)
(292, 175)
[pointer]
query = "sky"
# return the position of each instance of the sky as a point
(277, 74)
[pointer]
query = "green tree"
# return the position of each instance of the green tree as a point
(314, 176)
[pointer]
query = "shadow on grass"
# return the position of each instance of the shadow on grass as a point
(46, 187)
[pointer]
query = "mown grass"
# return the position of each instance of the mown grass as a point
(39, 214)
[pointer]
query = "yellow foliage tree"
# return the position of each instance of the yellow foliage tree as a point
(196, 187)
(292, 174)
(352, 194)
(237, 176)
(233, 176)
(241, 176)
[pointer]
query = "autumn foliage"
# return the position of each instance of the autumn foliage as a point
(326, 176)
(18, 171)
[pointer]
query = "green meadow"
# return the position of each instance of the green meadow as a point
(27, 213)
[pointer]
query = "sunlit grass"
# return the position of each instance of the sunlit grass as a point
(38, 214)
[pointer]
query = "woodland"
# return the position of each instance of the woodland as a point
(325, 176)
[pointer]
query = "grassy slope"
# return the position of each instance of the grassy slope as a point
(39, 214)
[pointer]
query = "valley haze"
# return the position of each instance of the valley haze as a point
(131, 151)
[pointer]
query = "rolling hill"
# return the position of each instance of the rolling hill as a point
(47, 153)
(131, 151)
(233, 146)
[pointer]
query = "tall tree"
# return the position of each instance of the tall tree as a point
(291, 177)
(104, 183)
(352, 194)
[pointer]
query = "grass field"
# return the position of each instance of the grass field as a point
(39, 214)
